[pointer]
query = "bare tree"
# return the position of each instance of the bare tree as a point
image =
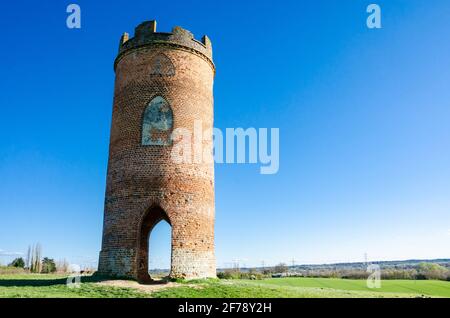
(28, 259)
(62, 266)
(281, 268)
(36, 254)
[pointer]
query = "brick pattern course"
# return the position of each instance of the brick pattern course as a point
(144, 185)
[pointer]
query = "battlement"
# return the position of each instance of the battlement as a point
(145, 35)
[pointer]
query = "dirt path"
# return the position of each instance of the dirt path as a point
(149, 288)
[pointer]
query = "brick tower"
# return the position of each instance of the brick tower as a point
(164, 82)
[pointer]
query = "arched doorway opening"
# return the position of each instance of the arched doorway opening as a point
(160, 248)
(153, 216)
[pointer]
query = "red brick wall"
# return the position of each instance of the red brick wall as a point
(144, 185)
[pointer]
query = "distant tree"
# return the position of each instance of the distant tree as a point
(48, 265)
(28, 259)
(18, 262)
(267, 272)
(62, 266)
(281, 268)
(432, 271)
(35, 259)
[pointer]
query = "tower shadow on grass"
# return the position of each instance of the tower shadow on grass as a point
(63, 281)
(32, 282)
(38, 282)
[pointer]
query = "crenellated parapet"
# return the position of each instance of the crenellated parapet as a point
(145, 35)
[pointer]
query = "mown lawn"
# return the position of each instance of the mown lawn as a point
(54, 286)
(309, 288)
(251, 289)
(417, 287)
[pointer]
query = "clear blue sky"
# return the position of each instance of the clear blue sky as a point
(363, 117)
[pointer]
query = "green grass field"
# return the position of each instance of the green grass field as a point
(416, 287)
(54, 286)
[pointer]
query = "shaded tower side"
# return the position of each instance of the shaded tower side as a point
(164, 84)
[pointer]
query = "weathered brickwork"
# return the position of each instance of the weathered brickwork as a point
(144, 185)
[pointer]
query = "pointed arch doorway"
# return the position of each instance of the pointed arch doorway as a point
(154, 215)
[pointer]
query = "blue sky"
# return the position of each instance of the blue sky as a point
(363, 117)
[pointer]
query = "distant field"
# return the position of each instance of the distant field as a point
(54, 286)
(420, 287)
(311, 288)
